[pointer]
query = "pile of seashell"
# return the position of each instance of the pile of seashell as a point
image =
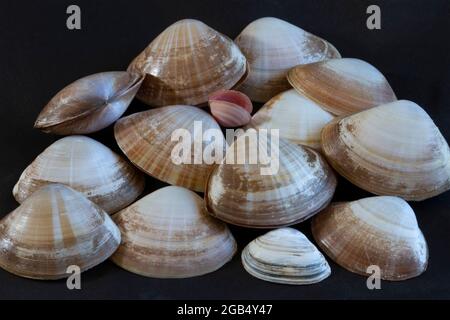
(333, 113)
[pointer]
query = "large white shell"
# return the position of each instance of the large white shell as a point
(298, 119)
(285, 256)
(169, 234)
(56, 227)
(86, 166)
(377, 231)
(273, 46)
(394, 149)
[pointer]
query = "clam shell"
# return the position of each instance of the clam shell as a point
(298, 119)
(54, 228)
(230, 108)
(285, 256)
(87, 166)
(394, 149)
(146, 139)
(239, 194)
(379, 231)
(272, 47)
(342, 86)
(168, 234)
(89, 104)
(187, 62)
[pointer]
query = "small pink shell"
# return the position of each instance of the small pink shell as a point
(230, 108)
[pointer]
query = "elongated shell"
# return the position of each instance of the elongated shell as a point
(168, 234)
(299, 119)
(287, 186)
(273, 46)
(394, 149)
(56, 227)
(376, 231)
(87, 166)
(89, 104)
(187, 62)
(285, 256)
(146, 139)
(342, 86)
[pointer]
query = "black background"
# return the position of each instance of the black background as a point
(39, 56)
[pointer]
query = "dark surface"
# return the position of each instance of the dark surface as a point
(39, 56)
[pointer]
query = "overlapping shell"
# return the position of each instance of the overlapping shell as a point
(230, 108)
(56, 227)
(285, 256)
(168, 234)
(288, 185)
(394, 149)
(147, 140)
(273, 46)
(342, 86)
(187, 62)
(299, 119)
(376, 231)
(87, 166)
(89, 104)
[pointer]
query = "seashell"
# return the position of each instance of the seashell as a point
(187, 62)
(169, 234)
(375, 231)
(285, 256)
(342, 86)
(87, 166)
(54, 228)
(230, 108)
(298, 119)
(272, 47)
(241, 194)
(146, 139)
(89, 104)
(394, 149)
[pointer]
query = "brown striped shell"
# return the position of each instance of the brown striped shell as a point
(56, 227)
(187, 62)
(394, 149)
(376, 231)
(342, 86)
(89, 104)
(146, 139)
(169, 234)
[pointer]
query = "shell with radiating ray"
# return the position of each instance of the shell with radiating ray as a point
(394, 149)
(55, 228)
(230, 108)
(376, 232)
(156, 141)
(185, 63)
(86, 166)
(298, 119)
(89, 104)
(169, 234)
(267, 183)
(342, 86)
(272, 47)
(285, 256)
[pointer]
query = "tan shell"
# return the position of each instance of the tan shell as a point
(240, 194)
(299, 119)
(56, 227)
(186, 63)
(394, 149)
(342, 86)
(168, 234)
(146, 139)
(89, 104)
(272, 47)
(286, 256)
(87, 166)
(376, 231)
